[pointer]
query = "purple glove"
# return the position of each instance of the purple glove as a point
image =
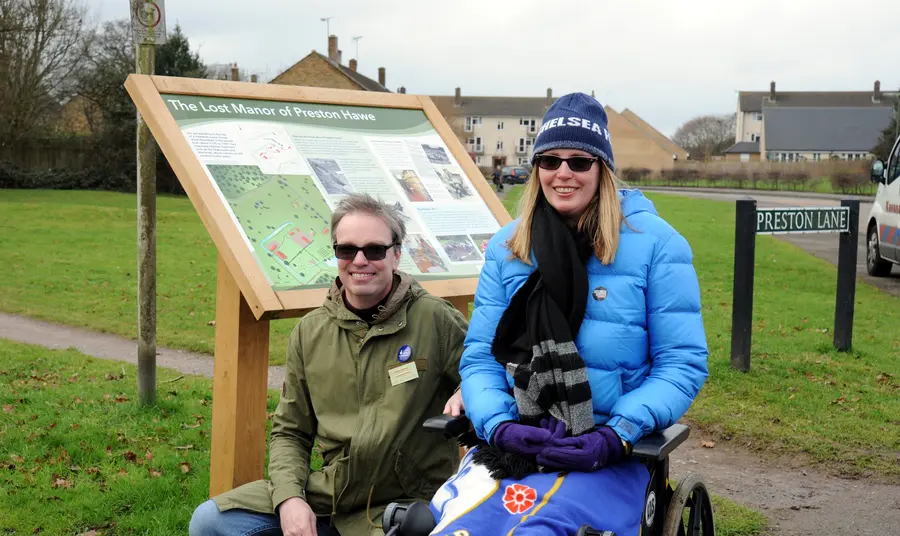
(528, 440)
(584, 453)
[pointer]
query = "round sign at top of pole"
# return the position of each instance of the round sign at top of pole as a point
(148, 14)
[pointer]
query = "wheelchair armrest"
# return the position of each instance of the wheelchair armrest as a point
(658, 445)
(447, 425)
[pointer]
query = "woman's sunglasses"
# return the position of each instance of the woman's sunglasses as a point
(373, 252)
(575, 163)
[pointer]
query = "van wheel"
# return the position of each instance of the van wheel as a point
(875, 265)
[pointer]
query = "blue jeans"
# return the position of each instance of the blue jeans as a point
(209, 521)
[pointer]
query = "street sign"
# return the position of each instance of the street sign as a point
(148, 22)
(750, 221)
(802, 220)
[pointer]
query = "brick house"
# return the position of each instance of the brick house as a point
(328, 71)
(790, 126)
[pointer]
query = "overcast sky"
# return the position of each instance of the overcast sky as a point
(667, 61)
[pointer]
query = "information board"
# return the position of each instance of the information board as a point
(269, 164)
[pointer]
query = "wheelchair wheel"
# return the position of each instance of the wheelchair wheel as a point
(690, 509)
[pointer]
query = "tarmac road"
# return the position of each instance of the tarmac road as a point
(822, 245)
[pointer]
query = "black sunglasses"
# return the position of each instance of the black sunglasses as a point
(575, 163)
(373, 252)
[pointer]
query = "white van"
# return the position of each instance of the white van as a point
(883, 229)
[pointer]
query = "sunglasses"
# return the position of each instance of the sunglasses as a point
(373, 252)
(575, 163)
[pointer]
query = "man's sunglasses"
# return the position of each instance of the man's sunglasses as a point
(575, 163)
(373, 252)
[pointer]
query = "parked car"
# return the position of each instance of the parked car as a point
(514, 174)
(883, 229)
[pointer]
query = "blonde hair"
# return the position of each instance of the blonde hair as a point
(601, 220)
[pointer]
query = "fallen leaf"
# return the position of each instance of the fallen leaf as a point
(16, 458)
(61, 483)
(883, 377)
(93, 470)
(121, 398)
(7, 408)
(78, 400)
(109, 451)
(123, 471)
(74, 468)
(708, 444)
(185, 467)
(75, 426)
(154, 473)
(130, 456)
(148, 455)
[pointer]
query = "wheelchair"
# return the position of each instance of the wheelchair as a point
(681, 510)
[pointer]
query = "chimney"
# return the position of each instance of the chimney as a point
(402, 90)
(876, 95)
(772, 91)
(549, 94)
(458, 99)
(332, 48)
(353, 65)
(340, 57)
(381, 76)
(234, 72)
(253, 78)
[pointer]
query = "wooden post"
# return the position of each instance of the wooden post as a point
(240, 377)
(145, 57)
(462, 304)
(846, 280)
(742, 292)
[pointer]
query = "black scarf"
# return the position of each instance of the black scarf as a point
(535, 339)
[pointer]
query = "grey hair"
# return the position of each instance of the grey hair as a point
(355, 203)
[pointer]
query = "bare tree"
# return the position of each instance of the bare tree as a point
(706, 135)
(41, 44)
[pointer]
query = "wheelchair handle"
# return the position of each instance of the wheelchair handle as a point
(447, 425)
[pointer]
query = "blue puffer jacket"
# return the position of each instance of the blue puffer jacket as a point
(642, 339)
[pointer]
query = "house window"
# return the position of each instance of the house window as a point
(817, 157)
(754, 137)
(500, 145)
(477, 160)
(525, 144)
(523, 160)
(759, 116)
(475, 143)
(499, 125)
(471, 122)
(528, 123)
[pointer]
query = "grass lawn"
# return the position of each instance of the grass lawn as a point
(800, 398)
(822, 186)
(78, 454)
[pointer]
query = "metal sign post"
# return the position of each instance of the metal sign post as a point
(148, 30)
(751, 221)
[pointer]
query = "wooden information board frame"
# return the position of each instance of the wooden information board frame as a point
(245, 301)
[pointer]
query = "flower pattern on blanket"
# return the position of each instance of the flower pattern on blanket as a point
(518, 499)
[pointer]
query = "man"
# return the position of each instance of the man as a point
(363, 372)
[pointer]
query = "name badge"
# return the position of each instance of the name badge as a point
(403, 373)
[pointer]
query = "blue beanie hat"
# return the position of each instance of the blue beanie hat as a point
(576, 121)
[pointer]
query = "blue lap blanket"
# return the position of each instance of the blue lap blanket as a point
(471, 503)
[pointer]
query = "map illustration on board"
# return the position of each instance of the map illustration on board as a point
(297, 248)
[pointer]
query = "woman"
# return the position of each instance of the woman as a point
(585, 337)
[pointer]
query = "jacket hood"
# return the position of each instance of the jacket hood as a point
(633, 202)
(405, 289)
